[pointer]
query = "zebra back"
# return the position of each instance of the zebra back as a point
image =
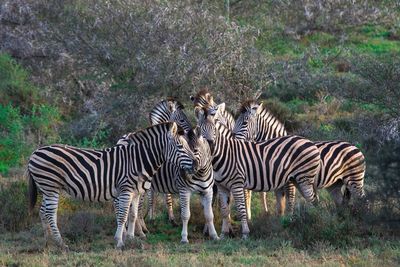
(261, 166)
(97, 175)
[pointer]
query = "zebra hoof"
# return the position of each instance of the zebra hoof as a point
(130, 237)
(216, 238)
(205, 230)
(245, 236)
(173, 222)
(142, 236)
(185, 241)
(223, 236)
(65, 249)
(119, 246)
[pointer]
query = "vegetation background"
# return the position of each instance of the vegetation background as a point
(85, 72)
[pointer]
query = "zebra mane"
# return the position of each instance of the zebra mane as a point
(224, 130)
(192, 139)
(153, 128)
(164, 107)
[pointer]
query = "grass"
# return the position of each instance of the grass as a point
(274, 241)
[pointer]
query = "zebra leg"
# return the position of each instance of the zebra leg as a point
(184, 198)
(290, 191)
(263, 196)
(116, 210)
(355, 190)
(45, 225)
(124, 202)
(307, 189)
(214, 200)
(247, 196)
(133, 212)
(51, 203)
(206, 201)
(335, 191)
(238, 195)
(141, 215)
(224, 198)
(280, 201)
(169, 204)
(152, 204)
(138, 225)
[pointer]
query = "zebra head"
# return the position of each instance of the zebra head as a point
(178, 151)
(203, 98)
(178, 116)
(170, 110)
(206, 119)
(246, 127)
(200, 148)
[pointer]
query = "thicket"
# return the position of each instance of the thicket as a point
(26, 121)
(327, 69)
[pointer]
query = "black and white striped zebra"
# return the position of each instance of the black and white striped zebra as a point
(203, 98)
(342, 164)
(169, 110)
(170, 179)
(123, 171)
(262, 166)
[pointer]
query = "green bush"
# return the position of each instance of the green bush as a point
(14, 215)
(26, 121)
(15, 87)
(11, 133)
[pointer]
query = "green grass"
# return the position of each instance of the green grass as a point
(23, 249)
(89, 228)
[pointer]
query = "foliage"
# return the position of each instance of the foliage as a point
(25, 121)
(305, 16)
(11, 132)
(157, 48)
(14, 208)
(15, 87)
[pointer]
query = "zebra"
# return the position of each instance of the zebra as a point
(170, 179)
(262, 166)
(342, 164)
(164, 111)
(203, 98)
(123, 171)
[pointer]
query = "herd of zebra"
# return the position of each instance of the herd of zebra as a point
(252, 153)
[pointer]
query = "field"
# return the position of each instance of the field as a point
(315, 236)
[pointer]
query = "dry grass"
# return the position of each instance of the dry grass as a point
(274, 243)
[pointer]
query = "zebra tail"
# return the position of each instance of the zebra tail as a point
(32, 191)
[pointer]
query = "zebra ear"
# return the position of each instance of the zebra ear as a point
(220, 108)
(259, 109)
(173, 130)
(172, 106)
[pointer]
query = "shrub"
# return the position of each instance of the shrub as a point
(305, 16)
(146, 51)
(80, 226)
(15, 87)
(11, 134)
(14, 215)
